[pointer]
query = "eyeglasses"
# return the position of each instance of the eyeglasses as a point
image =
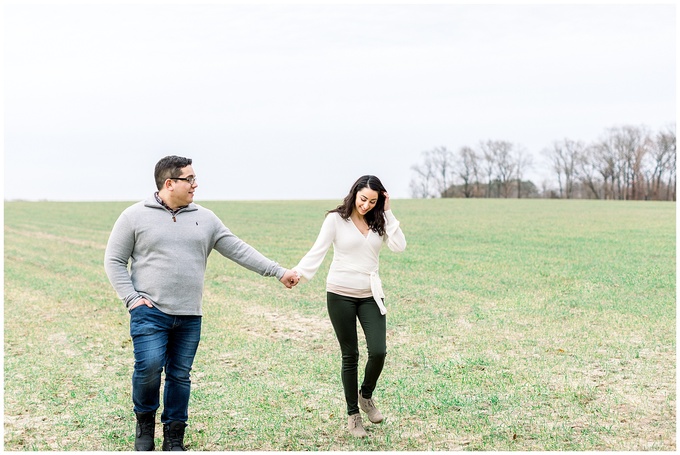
(191, 180)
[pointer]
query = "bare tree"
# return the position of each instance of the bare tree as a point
(671, 167)
(604, 161)
(422, 184)
(671, 194)
(500, 162)
(588, 171)
(564, 156)
(523, 162)
(434, 176)
(444, 167)
(640, 144)
(554, 155)
(489, 165)
(628, 146)
(468, 171)
(662, 153)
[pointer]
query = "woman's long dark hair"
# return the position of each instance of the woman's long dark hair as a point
(376, 217)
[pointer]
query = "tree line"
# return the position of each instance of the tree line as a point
(626, 163)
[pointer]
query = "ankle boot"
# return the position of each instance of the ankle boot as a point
(368, 406)
(173, 436)
(355, 427)
(144, 434)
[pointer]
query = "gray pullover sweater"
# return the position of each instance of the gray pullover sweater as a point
(168, 258)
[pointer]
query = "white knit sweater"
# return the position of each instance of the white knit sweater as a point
(354, 270)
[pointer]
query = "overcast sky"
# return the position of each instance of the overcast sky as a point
(297, 102)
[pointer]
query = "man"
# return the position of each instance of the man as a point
(167, 239)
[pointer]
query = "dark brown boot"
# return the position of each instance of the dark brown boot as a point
(173, 436)
(144, 434)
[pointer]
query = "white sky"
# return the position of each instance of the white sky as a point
(296, 102)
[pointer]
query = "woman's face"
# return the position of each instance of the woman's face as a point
(365, 201)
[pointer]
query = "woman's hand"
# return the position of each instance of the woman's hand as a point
(387, 200)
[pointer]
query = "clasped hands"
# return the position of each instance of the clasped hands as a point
(290, 279)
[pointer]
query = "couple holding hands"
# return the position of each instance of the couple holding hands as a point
(156, 258)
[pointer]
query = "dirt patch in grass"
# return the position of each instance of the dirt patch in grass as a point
(56, 238)
(280, 325)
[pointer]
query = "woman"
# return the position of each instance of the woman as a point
(357, 230)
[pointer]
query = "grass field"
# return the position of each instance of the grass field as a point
(513, 325)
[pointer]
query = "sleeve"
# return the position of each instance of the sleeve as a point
(232, 247)
(310, 263)
(118, 251)
(394, 237)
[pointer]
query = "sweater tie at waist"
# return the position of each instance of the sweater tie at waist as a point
(377, 290)
(376, 286)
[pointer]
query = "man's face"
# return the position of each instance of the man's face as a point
(182, 192)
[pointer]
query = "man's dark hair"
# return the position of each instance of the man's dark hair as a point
(168, 168)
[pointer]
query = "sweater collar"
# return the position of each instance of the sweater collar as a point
(166, 206)
(157, 202)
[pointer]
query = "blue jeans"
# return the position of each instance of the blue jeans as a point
(163, 341)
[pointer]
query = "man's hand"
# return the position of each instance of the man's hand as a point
(289, 279)
(140, 302)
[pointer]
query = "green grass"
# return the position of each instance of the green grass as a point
(512, 325)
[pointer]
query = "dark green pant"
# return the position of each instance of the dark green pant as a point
(344, 312)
